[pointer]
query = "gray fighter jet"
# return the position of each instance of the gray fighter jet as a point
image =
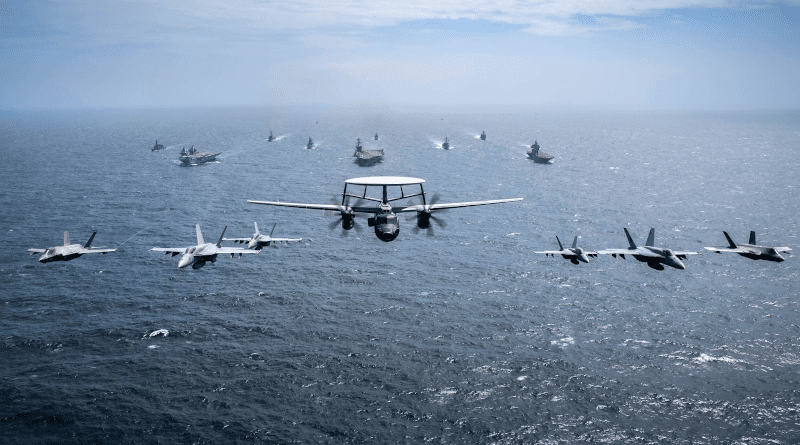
(197, 256)
(751, 250)
(574, 253)
(68, 251)
(655, 257)
(259, 240)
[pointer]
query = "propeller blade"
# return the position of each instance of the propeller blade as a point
(335, 223)
(439, 221)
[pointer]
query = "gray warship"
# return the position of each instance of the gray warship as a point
(539, 157)
(158, 146)
(310, 144)
(445, 144)
(483, 135)
(376, 136)
(271, 137)
(367, 157)
(194, 157)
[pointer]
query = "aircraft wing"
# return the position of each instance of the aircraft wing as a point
(640, 252)
(682, 253)
(725, 249)
(32, 251)
(336, 208)
(169, 249)
(97, 250)
(452, 205)
(235, 250)
(286, 239)
(783, 249)
(238, 240)
(555, 252)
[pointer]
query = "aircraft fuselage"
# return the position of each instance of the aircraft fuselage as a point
(665, 257)
(198, 255)
(387, 226)
(61, 253)
(760, 253)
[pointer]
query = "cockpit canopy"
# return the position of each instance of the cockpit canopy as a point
(386, 219)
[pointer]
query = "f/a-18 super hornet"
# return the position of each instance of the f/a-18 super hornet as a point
(384, 214)
(655, 257)
(751, 250)
(574, 253)
(68, 251)
(197, 256)
(259, 240)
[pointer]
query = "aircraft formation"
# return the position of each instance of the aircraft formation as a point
(381, 212)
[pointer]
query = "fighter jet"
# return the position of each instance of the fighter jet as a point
(574, 253)
(655, 257)
(197, 256)
(258, 240)
(68, 251)
(751, 250)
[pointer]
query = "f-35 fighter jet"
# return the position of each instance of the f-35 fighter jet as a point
(751, 250)
(68, 251)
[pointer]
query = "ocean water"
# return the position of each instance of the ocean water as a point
(465, 336)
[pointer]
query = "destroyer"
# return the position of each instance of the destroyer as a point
(194, 157)
(310, 144)
(483, 135)
(376, 136)
(539, 156)
(445, 144)
(367, 157)
(271, 137)
(158, 146)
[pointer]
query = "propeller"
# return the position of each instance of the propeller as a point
(346, 216)
(425, 217)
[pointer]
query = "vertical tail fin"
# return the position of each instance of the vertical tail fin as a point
(630, 240)
(560, 247)
(257, 232)
(273, 230)
(575, 242)
(731, 244)
(219, 243)
(66, 238)
(752, 237)
(199, 235)
(89, 243)
(651, 238)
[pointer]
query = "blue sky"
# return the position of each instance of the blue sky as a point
(719, 54)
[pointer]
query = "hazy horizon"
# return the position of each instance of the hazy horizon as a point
(677, 55)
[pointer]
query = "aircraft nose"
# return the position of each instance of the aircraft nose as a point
(679, 264)
(583, 257)
(185, 261)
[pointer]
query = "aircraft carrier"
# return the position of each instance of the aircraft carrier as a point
(194, 157)
(539, 157)
(367, 157)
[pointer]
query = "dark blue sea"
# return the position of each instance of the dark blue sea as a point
(464, 336)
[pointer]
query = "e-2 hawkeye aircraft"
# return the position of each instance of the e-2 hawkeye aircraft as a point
(574, 253)
(655, 257)
(258, 240)
(68, 251)
(751, 250)
(384, 214)
(197, 256)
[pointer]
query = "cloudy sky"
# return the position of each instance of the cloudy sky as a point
(695, 54)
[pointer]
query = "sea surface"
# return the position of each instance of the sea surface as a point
(463, 335)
